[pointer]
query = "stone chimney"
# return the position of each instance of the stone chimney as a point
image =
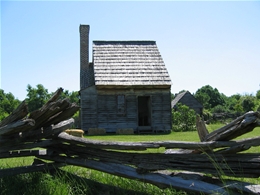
(86, 69)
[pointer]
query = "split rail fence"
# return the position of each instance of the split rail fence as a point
(183, 166)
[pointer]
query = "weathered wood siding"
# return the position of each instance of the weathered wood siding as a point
(99, 109)
(108, 116)
(189, 100)
(161, 112)
(88, 110)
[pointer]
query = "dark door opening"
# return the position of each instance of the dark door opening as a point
(144, 111)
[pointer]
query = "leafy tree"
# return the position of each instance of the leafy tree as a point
(209, 97)
(203, 98)
(7, 104)
(248, 103)
(184, 118)
(238, 108)
(37, 97)
(172, 96)
(219, 109)
(258, 95)
(233, 104)
(72, 96)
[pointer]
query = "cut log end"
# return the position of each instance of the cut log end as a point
(201, 128)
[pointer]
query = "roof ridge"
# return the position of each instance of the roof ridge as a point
(178, 97)
(148, 42)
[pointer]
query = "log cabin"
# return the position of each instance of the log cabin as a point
(125, 87)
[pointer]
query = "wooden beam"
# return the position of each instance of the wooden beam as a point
(19, 113)
(160, 180)
(43, 167)
(17, 126)
(202, 146)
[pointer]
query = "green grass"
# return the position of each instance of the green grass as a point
(14, 162)
(174, 136)
(78, 181)
(33, 183)
(88, 180)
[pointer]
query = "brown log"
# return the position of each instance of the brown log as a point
(232, 186)
(107, 145)
(234, 132)
(50, 110)
(157, 179)
(13, 154)
(178, 182)
(27, 136)
(35, 135)
(202, 146)
(249, 141)
(231, 165)
(18, 141)
(224, 128)
(234, 149)
(201, 128)
(18, 126)
(236, 128)
(35, 114)
(63, 115)
(29, 145)
(19, 113)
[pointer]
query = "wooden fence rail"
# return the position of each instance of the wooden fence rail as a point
(182, 166)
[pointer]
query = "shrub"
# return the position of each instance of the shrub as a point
(219, 109)
(183, 118)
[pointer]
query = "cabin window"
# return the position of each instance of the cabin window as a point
(121, 104)
(144, 111)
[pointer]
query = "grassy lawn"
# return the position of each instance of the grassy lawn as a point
(39, 183)
(174, 136)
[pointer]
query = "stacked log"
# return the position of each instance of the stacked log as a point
(217, 154)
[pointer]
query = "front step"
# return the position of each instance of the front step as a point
(145, 130)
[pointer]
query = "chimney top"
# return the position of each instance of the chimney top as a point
(83, 27)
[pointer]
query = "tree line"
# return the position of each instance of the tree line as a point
(212, 100)
(216, 106)
(216, 102)
(35, 99)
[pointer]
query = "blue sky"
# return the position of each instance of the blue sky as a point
(201, 42)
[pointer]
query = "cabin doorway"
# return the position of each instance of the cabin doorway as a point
(144, 111)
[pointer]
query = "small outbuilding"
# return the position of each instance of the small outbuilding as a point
(127, 86)
(189, 100)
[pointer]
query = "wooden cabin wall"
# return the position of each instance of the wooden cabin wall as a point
(106, 114)
(110, 119)
(190, 101)
(88, 108)
(161, 112)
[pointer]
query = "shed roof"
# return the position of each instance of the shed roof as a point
(179, 97)
(128, 63)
